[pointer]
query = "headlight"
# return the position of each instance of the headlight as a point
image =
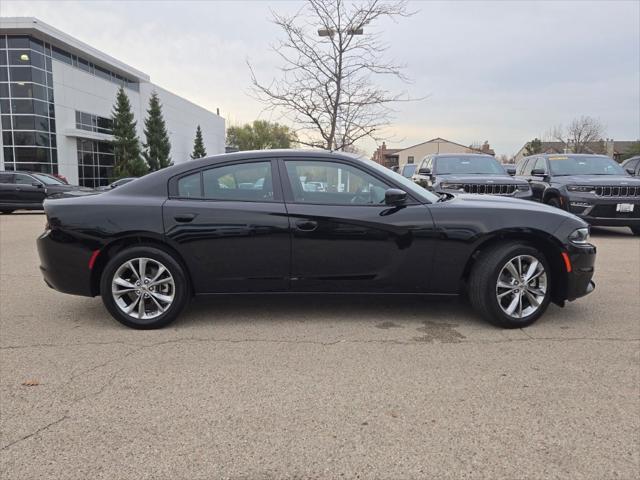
(452, 186)
(523, 187)
(580, 188)
(580, 236)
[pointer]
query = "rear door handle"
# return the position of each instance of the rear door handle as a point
(184, 217)
(306, 225)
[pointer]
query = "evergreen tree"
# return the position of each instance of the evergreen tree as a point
(533, 147)
(126, 147)
(198, 145)
(157, 148)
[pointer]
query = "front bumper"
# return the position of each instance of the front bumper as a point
(579, 279)
(64, 263)
(602, 211)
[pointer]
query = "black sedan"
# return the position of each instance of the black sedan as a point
(28, 190)
(249, 222)
(468, 173)
(594, 187)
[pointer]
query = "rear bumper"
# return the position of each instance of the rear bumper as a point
(579, 279)
(64, 263)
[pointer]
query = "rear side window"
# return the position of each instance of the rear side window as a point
(6, 177)
(250, 182)
(189, 186)
(21, 179)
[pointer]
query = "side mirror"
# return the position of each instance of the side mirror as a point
(424, 171)
(36, 184)
(538, 172)
(395, 196)
(630, 171)
(511, 170)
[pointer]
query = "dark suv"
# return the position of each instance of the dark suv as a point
(27, 190)
(468, 173)
(593, 187)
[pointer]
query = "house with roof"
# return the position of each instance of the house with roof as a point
(390, 157)
(615, 149)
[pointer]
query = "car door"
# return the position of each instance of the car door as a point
(7, 188)
(345, 238)
(230, 224)
(28, 190)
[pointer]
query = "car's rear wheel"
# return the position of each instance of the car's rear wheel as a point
(144, 287)
(510, 285)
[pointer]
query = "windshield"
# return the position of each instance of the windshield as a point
(407, 185)
(47, 180)
(408, 170)
(584, 165)
(468, 165)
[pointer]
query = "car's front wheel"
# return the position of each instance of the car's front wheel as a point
(144, 287)
(510, 285)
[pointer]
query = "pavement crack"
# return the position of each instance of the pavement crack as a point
(36, 432)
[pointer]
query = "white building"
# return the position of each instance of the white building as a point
(56, 98)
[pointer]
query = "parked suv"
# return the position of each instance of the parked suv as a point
(593, 187)
(632, 166)
(27, 190)
(468, 173)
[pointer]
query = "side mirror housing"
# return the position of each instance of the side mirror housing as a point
(538, 172)
(395, 196)
(36, 184)
(424, 171)
(511, 170)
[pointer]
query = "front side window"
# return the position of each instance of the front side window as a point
(333, 183)
(21, 179)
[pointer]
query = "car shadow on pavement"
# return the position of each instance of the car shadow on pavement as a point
(234, 309)
(610, 232)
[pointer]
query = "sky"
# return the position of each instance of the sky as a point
(503, 71)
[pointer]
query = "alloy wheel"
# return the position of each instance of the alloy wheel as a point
(522, 286)
(143, 288)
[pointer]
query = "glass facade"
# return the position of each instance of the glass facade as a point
(95, 162)
(26, 105)
(94, 123)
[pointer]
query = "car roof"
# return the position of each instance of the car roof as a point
(547, 155)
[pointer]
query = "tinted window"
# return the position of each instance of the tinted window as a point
(6, 178)
(408, 170)
(243, 182)
(189, 186)
(333, 183)
(47, 179)
(584, 165)
(21, 179)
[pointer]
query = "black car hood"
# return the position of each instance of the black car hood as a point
(609, 180)
(480, 179)
(498, 202)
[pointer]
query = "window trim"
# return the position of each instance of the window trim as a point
(275, 180)
(290, 198)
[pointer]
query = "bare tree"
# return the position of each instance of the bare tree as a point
(330, 57)
(584, 134)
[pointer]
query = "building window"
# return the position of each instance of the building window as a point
(410, 159)
(94, 123)
(26, 103)
(95, 162)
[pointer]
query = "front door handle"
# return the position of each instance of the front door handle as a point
(184, 217)
(306, 225)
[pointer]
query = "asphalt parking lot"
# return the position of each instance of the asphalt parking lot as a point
(311, 387)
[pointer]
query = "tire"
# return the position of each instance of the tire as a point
(554, 202)
(635, 231)
(164, 295)
(491, 266)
